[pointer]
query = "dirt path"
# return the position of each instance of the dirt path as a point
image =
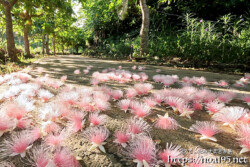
(65, 65)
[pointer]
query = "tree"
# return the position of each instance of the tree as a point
(11, 48)
(144, 28)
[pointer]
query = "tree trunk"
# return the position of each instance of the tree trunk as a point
(54, 43)
(43, 44)
(11, 48)
(62, 49)
(144, 28)
(47, 44)
(77, 49)
(26, 40)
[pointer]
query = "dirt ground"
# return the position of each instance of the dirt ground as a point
(65, 65)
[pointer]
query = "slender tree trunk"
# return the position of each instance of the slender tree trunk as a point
(63, 49)
(11, 48)
(77, 49)
(43, 40)
(47, 44)
(144, 28)
(54, 43)
(26, 40)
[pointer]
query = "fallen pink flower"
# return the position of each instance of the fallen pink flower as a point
(214, 107)
(206, 129)
(121, 138)
(64, 158)
(64, 78)
(165, 122)
(142, 150)
(229, 115)
(116, 94)
(137, 126)
(16, 144)
(170, 153)
(77, 71)
(6, 124)
(97, 136)
(124, 104)
(95, 119)
(140, 110)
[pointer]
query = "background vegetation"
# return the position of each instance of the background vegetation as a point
(195, 32)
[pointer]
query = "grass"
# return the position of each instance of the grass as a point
(10, 67)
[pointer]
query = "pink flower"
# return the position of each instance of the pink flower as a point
(39, 156)
(208, 95)
(158, 98)
(142, 150)
(49, 127)
(150, 101)
(136, 77)
(77, 71)
(86, 71)
(244, 144)
(136, 126)
(95, 81)
(64, 158)
(97, 136)
(243, 131)
(185, 111)
(140, 110)
(221, 83)
(77, 120)
(206, 129)
(101, 105)
(34, 133)
(174, 102)
(95, 119)
(166, 122)
(131, 93)
(199, 81)
(45, 95)
(6, 124)
(116, 94)
(186, 79)
(143, 89)
(16, 144)
(157, 78)
(56, 140)
(214, 107)
(121, 138)
(229, 115)
(170, 153)
(197, 106)
(246, 99)
(134, 67)
(124, 104)
(226, 97)
(13, 110)
(143, 76)
(23, 123)
(64, 78)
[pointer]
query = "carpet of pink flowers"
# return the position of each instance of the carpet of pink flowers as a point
(39, 115)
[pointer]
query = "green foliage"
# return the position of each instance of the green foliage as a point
(221, 42)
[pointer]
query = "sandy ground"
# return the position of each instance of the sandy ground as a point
(65, 65)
